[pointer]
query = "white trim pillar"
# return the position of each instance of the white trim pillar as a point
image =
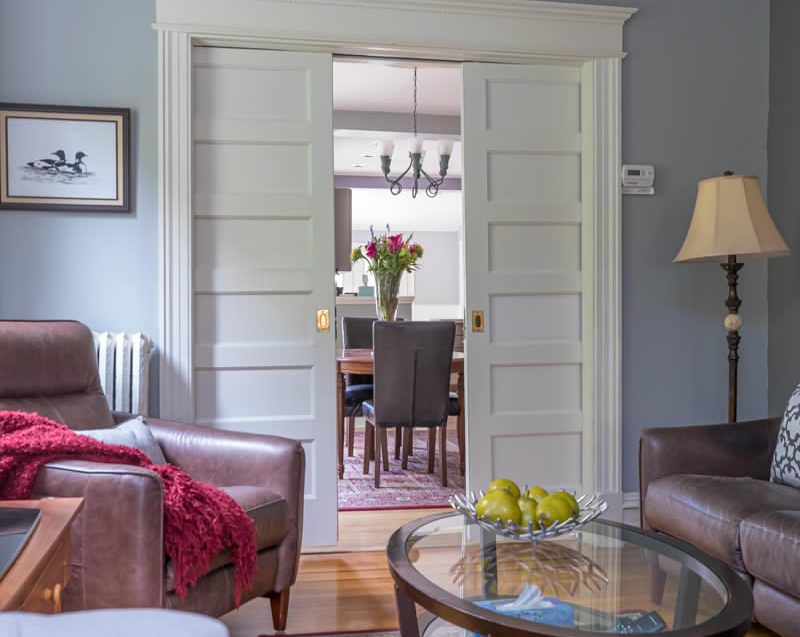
(175, 225)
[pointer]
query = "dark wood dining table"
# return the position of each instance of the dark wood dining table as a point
(361, 361)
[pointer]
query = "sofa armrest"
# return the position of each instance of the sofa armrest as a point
(226, 458)
(737, 450)
(117, 539)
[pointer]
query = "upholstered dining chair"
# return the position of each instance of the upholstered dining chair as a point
(356, 334)
(412, 388)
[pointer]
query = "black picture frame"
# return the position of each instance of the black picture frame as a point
(65, 158)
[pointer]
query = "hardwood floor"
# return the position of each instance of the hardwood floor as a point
(346, 587)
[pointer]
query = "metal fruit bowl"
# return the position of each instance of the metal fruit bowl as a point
(590, 508)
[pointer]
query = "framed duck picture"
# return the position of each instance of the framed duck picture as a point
(64, 158)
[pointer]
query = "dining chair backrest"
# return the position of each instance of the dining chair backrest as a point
(412, 372)
(357, 333)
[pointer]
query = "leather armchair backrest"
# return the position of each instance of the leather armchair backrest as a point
(412, 372)
(357, 333)
(49, 367)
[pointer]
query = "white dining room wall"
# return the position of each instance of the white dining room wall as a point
(437, 225)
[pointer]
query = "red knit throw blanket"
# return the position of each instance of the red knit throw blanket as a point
(199, 520)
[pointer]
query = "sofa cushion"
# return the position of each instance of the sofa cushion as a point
(706, 510)
(786, 458)
(268, 510)
(770, 543)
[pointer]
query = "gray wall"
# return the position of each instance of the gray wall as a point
(695, 102)
(98, 268)
(784, 201)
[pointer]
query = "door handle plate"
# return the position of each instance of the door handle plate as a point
(477, 321)
(323, 320)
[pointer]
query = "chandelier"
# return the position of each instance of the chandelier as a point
(416, 154)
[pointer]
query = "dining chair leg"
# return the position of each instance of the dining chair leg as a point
(407, 433)
(385, 448)
(398, 437)
(369, 434)
(351, 435)
(443, 453)
(431, 447)
(377, 456)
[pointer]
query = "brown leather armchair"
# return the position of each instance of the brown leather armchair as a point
(118, 555)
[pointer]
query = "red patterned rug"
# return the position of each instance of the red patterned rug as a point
(414, 488)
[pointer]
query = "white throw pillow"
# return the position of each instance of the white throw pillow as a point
(131, 433)
(786, 459)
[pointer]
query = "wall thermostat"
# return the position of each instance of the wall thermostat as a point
(638, 179)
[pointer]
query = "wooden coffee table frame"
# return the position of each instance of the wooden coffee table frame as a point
(411, 587)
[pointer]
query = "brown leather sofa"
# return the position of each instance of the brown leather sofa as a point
(710, 486)
(118, 555)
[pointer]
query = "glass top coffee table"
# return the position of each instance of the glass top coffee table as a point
(606, 578)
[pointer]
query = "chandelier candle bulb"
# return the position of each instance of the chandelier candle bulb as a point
(415, 145)
(445, 147)
(385, 147)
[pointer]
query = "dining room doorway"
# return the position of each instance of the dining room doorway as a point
(249, 146)
(381, 103)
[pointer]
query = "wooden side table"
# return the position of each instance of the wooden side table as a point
(41, 571)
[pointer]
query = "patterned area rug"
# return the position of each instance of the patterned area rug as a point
(414, 488)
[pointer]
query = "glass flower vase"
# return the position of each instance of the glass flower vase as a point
(387, 285)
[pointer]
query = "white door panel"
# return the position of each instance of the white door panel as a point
(263, 221)
(524, 256)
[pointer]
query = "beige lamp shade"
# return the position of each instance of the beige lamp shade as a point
(731, 218)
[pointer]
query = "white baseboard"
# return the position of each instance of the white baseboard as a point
(630, 500)
(630, 506)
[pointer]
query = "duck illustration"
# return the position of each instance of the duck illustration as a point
(50, 164)
(78, 166)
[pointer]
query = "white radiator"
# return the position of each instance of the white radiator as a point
(123, 361)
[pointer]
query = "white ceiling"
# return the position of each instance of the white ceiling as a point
(387, 86)
(404, 214)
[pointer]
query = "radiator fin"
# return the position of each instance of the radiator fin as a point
(123, 361)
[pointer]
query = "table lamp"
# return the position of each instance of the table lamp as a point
(731, 220)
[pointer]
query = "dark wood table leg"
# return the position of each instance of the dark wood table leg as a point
(688, 599)
(462, 434)
(340, 423)
(406, 614)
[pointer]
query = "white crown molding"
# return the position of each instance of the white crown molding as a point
(459, 30)
(526, 9)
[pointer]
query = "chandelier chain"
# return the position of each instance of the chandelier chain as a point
(415, 101)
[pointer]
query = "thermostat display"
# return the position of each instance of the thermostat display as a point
(638, 179)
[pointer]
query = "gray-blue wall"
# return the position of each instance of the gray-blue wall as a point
(695, 104)
(784, 201)
(101, 269)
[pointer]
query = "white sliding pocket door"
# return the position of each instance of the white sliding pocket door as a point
(527, 380)
(263, 256)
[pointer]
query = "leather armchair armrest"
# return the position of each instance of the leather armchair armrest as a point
(225, 458)
(737, 450)
(117, 539)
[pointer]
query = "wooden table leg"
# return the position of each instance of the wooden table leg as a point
(406, 614)
(462, 434)
(340, 423)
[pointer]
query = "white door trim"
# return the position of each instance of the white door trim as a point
(461, 30)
